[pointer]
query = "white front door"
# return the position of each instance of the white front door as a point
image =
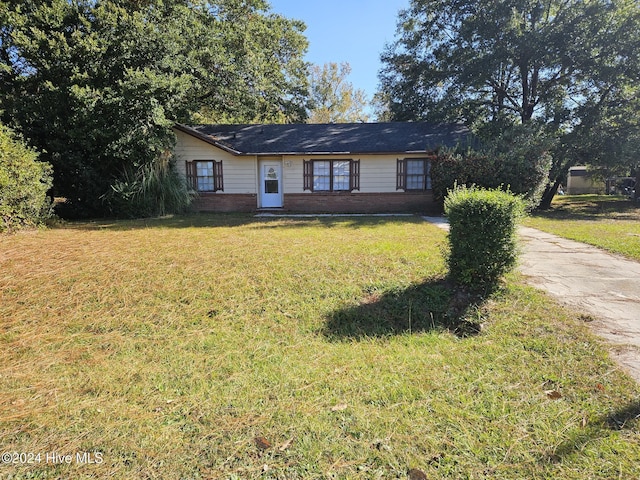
(270, 184)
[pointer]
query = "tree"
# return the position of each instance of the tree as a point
(570, 66)
(259, 74)
(380, 105)
(97, 85)
(333, 98)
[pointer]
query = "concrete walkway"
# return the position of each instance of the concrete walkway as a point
(602, 287)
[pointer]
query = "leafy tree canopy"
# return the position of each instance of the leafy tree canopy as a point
(333, 98)
(571, 66)
(97, 84)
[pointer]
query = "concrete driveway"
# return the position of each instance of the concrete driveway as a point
(602, 287)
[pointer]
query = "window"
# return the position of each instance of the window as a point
(271, 182)
(413, 174)
(205, 175)
(321, 176)
(332, 175)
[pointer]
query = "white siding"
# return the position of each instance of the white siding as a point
(292, 174)
(377, 172)
(239, 173)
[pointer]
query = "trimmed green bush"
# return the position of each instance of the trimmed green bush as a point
(24, 182)
(482, 236)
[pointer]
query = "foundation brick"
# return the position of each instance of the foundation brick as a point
(400, 202)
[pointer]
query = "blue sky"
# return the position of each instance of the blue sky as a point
(353, 31)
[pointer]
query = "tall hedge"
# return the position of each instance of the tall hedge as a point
(482, 236)
(24, 182)
(516, 160)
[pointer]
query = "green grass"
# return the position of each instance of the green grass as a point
(608, 222)
(170, 345)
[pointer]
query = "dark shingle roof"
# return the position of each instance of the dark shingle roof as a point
(359, 138)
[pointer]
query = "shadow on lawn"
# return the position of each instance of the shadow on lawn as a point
(625, 418)
(429, 306)
(188, 220)
(592, 208)
(226, 220)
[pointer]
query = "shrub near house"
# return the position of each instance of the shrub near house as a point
(24, 182)
(483, 235)
(517, 159)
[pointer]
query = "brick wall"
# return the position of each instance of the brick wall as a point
(400, 202)
(225, 202)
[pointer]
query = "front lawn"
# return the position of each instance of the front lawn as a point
(606, 221)
(227, 347)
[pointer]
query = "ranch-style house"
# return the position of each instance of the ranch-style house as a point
(319, 168)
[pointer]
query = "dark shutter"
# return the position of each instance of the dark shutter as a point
(401, 176)
(307, 167)
(355, 175)
(191, 175)
(218, 184)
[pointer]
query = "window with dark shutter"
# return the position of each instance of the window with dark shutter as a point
(413, 174)
(331, 175)
(205, 175)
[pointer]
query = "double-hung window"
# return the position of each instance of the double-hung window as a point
(332, 175)
(205, 175)
(413, 174)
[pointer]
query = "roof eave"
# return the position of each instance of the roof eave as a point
(208, 139)
(376, 152)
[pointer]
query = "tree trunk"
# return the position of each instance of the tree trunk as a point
(549, 193)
